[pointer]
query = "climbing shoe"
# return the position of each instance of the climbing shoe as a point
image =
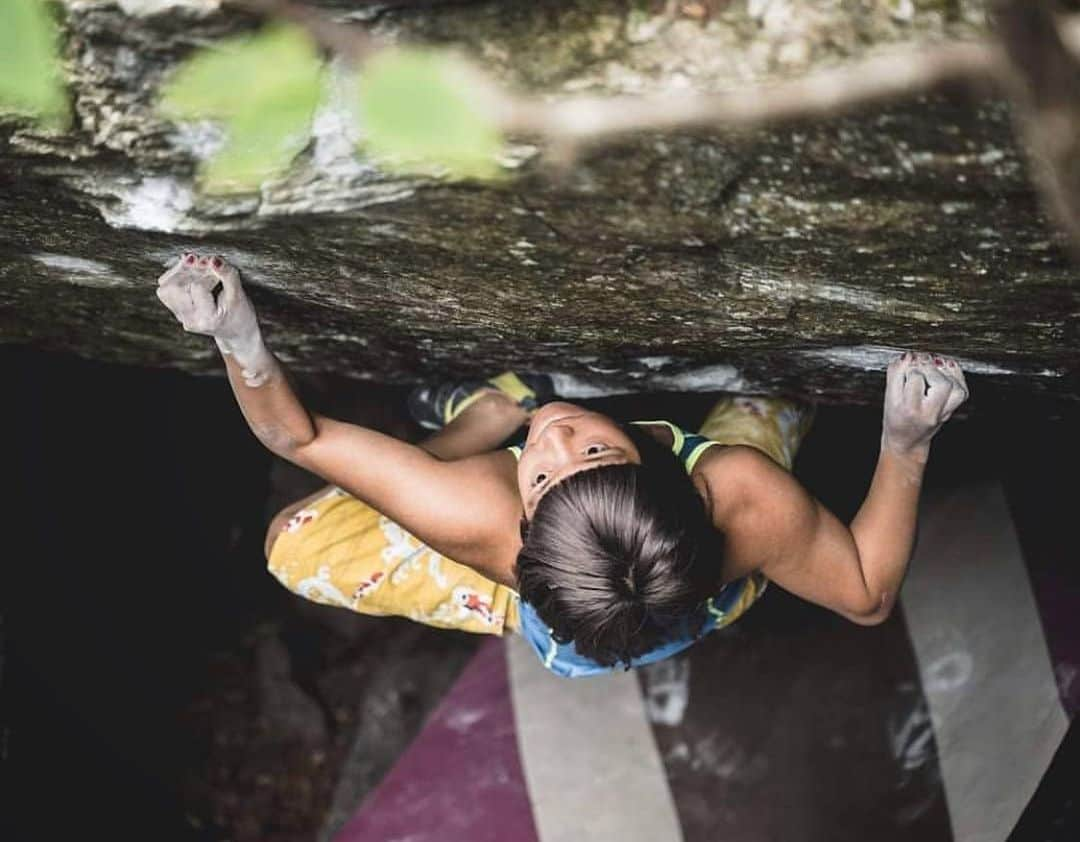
(433, 407)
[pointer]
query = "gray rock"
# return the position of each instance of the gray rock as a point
(799, 259)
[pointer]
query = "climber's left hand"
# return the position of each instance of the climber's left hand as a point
(921, 393)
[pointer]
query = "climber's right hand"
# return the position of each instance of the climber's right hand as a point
(206, 296)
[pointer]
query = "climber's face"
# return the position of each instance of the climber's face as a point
(563, 439)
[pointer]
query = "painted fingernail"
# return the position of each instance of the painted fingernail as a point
(938, 361)
(203, 261)
(216, 262)
(189, 258)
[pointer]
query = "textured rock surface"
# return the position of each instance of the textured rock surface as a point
(796, 259)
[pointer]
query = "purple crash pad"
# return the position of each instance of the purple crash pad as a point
(461, 778)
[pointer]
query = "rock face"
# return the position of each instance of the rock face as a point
(798, 259)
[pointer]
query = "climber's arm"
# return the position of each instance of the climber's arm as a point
(796, 542)
(456, 507)
(782, 531)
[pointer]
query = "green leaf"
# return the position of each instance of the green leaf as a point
(31, 81)
(420, 110)
(264, 89)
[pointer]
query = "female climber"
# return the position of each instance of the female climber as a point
(604, 544)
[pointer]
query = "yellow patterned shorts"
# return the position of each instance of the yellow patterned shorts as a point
(339, 551)
(775, 426)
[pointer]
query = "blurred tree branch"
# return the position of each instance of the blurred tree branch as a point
(1043, 83)
(350, 42)
(1033, 59)
(878, 79)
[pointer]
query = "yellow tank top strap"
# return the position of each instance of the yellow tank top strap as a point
(687, 447)
(697, 452)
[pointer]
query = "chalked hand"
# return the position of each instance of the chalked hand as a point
(921, 393)
(206, 296)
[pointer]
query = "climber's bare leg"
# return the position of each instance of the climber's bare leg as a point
(483, 426)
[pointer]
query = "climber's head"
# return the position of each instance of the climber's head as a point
(617, 544)
(563, 439)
